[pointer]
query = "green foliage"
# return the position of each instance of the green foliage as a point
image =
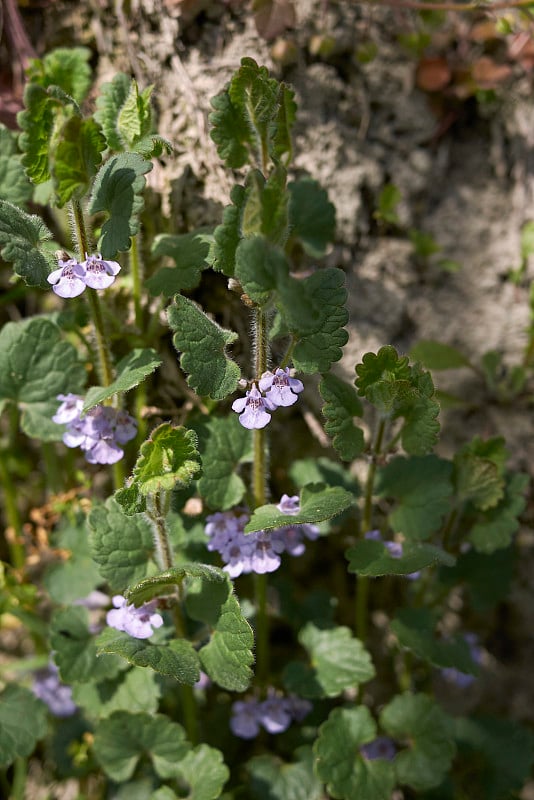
(341, 404)
(487, 578)
(189, 251)
(312, 217)
(65, 67)
(227, 235)
(479, 472)
(317, 503)
(438, 356)
(372, 558)
(337, 662)
(23, 721)
(169, 458)
(133, 690)
(346, 773)
(164, 582)
(202, 344)
(399, 390)
(131, 371)
(496, 527)
(415, 630)
(422, 489)
(36, 366)
(175, 659)
(429, 730)
(78, 575)
(204, 771)
(273, 779)
(75, 651)
(388, 200)
(23, 239)
(117, 191)
(14, 184)
(224, 446)
(121, 545)
(265, 209)
(76, 159)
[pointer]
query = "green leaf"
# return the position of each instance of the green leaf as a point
(341, 405)
(229, 131)
(23, 239)
(131, 370)
(265, 209)
(189, 251)
(346, 773)
(204, 772)
(312, 217)
(372, 558)
(117, 191)
(507, 749)
(169, 458)
(65, 67)
(422, 488)
(227, 235)
(415, 630)
(163, 582)
(202, 344)
(23, 721)
(224, 445)
(44, 112)
(322, 470)
(287, 112)
(398, 390)
(273, 779)
(317, 503)
(338, 662)
(14, 184)
(78, 575)
(134, 119)
(227, 657)
(479, 472)
(133, 690)
(487, 578)
(176, 659)
(123, 739)
(75, 650)
(496, 527)
(435, 355)
(111, 99)
(261, 269)
(76, 158)
(36, 366)
(121, 545)
(430, 732)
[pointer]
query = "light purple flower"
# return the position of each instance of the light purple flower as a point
(69, 410)
(125, 427)
(381, 747)
(253, 409)
(290, 538)
(69, 279)
(263, 557)
(299, 708)
(137, 622)
(464, 679)
(99, 274)
(274, 713)
(245, 719)
(98, 432)
(242, 553)
(57, 696)
(280, 388)
(289, 505)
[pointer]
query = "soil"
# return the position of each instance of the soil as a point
(463, 166)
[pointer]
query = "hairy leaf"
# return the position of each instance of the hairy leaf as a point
(176, 659)
(45, 111)
(165, 582)
(277, 780)
(312, 217)
(169, 458)
(224, 445)
(202, 344)
(204, 772)
(496, 527)
(265, 208)
(479, 472)
(23, 239)
(317, 503)
(76, 158)
(109, 102)
(75, 650)
(131, 370)
(65, 67)
(23, 721)
(341, 405)
(189, 251)
(133, 690)
(227, 235)
(14, 184)
(372, 558)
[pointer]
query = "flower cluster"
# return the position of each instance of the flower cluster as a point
(276, 389)
(462, 679)
(71, 277)
(275, 714)
(57, 696)
(98, 433)
(394, 549)
(137, 622)
(258, 552)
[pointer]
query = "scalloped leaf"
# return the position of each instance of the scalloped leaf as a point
(122, 546)
(317, 503)
(338, 763)
(109, 102)
(76, 158)
(131, 370)
(415, 630)
(117, 191)
(189, 251)
(265, 209)
(224, 445)
(65, 67)
(341, 405)
(175, 659)
(227, 235)
(373, 559)
(74, 647)
(430, 731)
(312, 217)
(479, 472)
(134, 690)
(495, 528)
(202, 345)
(36, 366)
(14, 184)
(23, 239)
(169, 458)
(285, 781)
(122, 740)
(227, 657)
(163, 582)
(23, 721)
(134, 118)
(204, 772)
(422, 487)
(337, 662)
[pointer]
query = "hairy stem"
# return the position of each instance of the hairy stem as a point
(12, 514)
(136, 269)
(157, 507)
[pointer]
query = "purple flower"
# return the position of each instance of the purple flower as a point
(99, 274)
(69, 410)
(298, 707)
(394, 548)
(137, 622)
(381, 747)
(253, 409)
(242, 553)
(280, 388)
(263, 557)
(289, 539)
(98, 432)
(245, 719)
(289, 505)
(464, 679)
(275, 714)
(69, 279)
(57, 696)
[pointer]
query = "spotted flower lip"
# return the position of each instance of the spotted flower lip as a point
(280, 388)
(137, 622)
(68, 280)
(253, 409)
(99, 273)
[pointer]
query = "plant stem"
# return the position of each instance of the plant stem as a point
(136, 269)
(20, 769)
(362, 581)
(159, 505)
(17, 554)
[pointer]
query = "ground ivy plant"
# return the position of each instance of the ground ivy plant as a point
(199, 601)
